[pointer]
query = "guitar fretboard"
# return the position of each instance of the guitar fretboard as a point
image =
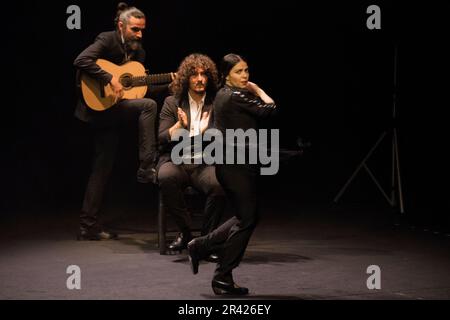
(147, 80)
(159, 78)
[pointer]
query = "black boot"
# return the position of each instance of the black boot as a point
(181, 241)
(196, 252)
(213, 257)
(226, 286)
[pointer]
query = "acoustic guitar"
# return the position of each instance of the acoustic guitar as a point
(131, 75)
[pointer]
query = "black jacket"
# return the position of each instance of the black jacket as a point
(168, 117)
(239, 109)
(108, 46)
(236, 108)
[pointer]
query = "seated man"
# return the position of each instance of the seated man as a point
(189, 108)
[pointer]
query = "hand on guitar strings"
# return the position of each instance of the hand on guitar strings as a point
(117, 89)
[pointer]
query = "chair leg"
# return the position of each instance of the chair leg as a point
(161, 227)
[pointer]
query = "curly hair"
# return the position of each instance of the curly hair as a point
(180, 85)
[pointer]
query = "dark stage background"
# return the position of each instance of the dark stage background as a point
(331, 77)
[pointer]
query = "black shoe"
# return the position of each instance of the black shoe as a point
(180, 243)
(96, 236)
(193, 255)
(147, 175)
(214, 258)
(222, 287)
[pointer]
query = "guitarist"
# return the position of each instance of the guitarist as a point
(118, 47)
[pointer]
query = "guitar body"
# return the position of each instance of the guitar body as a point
(100, 99)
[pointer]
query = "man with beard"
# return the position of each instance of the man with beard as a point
(118, 46)
(190, 108)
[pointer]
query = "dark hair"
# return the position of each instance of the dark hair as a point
(180, 85)
(124, 12)
(227, 63)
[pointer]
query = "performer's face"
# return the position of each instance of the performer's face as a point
(132, 32)
(238, 76)
(198, 81)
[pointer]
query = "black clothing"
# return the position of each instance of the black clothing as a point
(173, 179)
(108, 46)
(240, 185)
(106, 140)
(168, 117)
(104, 124)
(239, 109)
(236, 108)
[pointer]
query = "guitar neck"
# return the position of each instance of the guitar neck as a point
(159, 78)
(140, 81)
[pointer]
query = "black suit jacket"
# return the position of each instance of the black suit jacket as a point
(168, 117)
(108, 46)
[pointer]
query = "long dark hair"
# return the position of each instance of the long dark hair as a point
(227, 63)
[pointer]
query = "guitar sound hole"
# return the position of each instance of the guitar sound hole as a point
(126, 81)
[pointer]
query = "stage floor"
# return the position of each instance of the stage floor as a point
(306, 253)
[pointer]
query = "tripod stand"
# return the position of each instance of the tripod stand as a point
(396, 195)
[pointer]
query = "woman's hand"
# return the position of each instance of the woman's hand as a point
(253, 88)
(256, 90)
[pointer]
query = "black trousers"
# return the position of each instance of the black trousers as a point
(230, 239)
(173, 180)
(106, 140)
